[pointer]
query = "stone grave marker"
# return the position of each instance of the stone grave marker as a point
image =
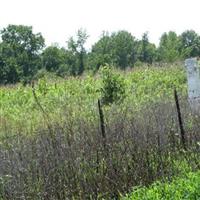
(193, 79)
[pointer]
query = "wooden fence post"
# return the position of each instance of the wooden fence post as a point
(182, 131)
(102, 123)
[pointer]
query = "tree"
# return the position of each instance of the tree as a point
(190, 44)
(9, 70)
(101, 53)
(76, 46)
(169, 47)
(146, 50)
(119, 49)
(52, 58)
(69, 66)
(124, 48)
(20, 49)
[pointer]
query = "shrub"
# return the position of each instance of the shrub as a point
(182, 188)
(113, 86)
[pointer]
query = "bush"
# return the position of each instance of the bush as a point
(41, 74)
(182, 188)
(113, 86)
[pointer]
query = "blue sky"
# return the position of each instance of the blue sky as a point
(57, 20)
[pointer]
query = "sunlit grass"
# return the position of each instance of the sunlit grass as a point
(187, 188)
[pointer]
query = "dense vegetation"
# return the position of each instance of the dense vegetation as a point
(52, 144)
(24, 58)
(187, 188)
(136, 88)
(72, 126)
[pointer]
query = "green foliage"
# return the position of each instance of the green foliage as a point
(169, 46)
(43, 86)
(71, 103)
(124, 49)
(113, 86)
(19, 52)
(61, 61)
(52, 58)
(22, 54)
(142, 85)
(101, 53)
(187, 188)
(76, 46)
(152, 83)
(69, 66)
(146, 50)
(119, 50)
(10, 71)
(190, 44)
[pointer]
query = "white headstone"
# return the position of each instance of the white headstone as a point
(193, 77)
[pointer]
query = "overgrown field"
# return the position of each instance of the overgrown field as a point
(53, 145)
(79, 96)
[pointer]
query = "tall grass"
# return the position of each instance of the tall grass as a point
(69, 161)
(19, 109)
(63, 154)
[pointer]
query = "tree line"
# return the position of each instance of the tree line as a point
(23, 54)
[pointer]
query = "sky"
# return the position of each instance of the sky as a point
(57, 20)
